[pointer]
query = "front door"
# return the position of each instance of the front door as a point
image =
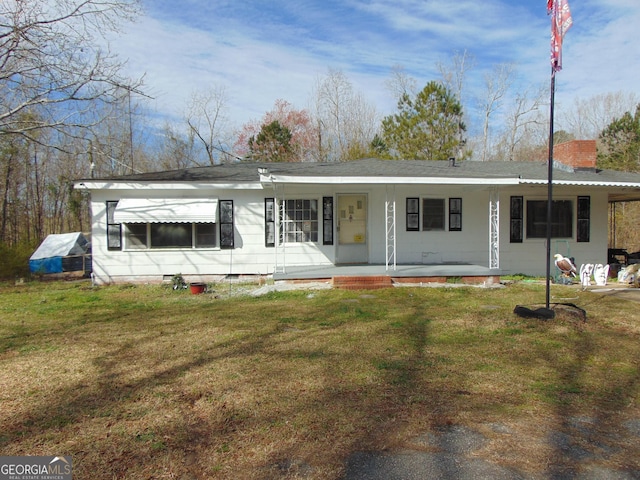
(352, 229)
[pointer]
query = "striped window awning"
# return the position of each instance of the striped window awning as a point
(166, 210)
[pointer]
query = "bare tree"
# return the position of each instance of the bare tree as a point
(332, 96)
(400, 83)
(116, 144)
(454, 74)
(589, 117)
(176, 150)
(524, 121)
(13, 151)
(208, 122)
(51, 64)
(37, 195)
(347, 122)
(496, 86)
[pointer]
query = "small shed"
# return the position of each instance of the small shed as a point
(64, 252)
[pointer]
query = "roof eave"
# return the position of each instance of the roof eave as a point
(364, 180)
(165, 185)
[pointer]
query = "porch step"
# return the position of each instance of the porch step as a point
(370, 282)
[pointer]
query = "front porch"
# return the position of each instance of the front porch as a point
(378, 276)
(369, 240)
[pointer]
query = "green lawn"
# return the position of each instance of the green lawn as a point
(146, 382)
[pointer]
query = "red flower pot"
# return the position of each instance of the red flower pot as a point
(197, 288)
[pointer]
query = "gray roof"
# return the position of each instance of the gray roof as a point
(376, 169)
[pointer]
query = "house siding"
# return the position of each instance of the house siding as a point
(251, 257)
(529, 256)
(418, 247)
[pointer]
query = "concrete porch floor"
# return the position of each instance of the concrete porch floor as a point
(402, 274)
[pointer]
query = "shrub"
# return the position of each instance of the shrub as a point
(14, 260)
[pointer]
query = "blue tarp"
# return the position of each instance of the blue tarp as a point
(46, 265)
(48, 257)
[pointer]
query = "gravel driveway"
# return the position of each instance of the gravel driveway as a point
(456, 453)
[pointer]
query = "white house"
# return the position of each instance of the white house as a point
(277, 218)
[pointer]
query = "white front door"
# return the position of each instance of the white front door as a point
(352, 229)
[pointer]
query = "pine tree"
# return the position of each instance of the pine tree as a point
(427, 127)
(272, 144)
(620, 143)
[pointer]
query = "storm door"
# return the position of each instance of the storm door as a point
(352, 229)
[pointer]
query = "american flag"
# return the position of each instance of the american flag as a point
(561, 21)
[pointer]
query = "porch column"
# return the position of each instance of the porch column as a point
(280, 263)
(494, 229)
(390, 223)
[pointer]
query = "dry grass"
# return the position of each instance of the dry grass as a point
(144, 382)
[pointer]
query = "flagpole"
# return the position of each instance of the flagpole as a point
(560, 22)
(550, 185)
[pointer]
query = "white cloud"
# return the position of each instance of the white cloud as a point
(605, 58)
(261, 53)
(177, 60)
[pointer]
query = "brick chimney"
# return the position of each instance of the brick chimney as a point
(579, 154)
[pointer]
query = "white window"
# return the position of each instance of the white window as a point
(300, 221)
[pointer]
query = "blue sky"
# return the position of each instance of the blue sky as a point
(265, 50)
